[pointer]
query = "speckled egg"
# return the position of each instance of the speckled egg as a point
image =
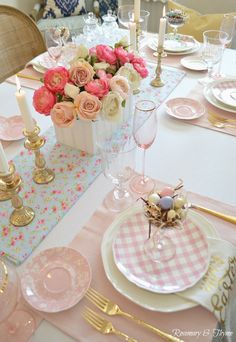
(154, 198)
(166, 202)
(167, 191)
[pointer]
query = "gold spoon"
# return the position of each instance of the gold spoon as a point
(220, 124)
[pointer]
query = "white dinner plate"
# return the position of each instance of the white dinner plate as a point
(152, 44)
(207, 92)
(224, 91)
(149, 300)
(194, 63)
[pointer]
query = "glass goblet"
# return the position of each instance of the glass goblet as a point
(54, 44)
(118, 164)
(123, 15)
(144, 133)
(15, 324)
(176, 19)
(213, 46)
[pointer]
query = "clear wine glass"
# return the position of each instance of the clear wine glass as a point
(176, 19)
(227, 25)
(124, 16)
(54, 44)
(143, 21)
(15, 324)
(213, 46)
(144, 132)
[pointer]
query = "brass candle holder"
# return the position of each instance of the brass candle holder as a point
(10, 183)
(33, 142)
(157, 82)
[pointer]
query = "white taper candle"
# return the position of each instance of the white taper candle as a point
(4, 167)
(24, 109)
(162, 29)
(132, 31)
(136, 10)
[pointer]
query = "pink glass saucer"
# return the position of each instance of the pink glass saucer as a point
(56, 279)
(177, 274)
(11, 128)
(184, 108)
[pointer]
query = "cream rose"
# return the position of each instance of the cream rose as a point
(82, 51)
(120, 84)
(63, 114)
(131, 74)
(87, 106)
(101, 66)
(71, 90)
(112, 106)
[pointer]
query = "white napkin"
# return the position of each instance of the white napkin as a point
(213, 291)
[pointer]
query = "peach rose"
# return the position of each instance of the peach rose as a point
(87, 106)
(43, 100)
(105, 54)
(98, 87)
(81, 72)
(56, 78)
(120, 85)
(63, 114)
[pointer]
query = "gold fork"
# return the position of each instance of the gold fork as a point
(221, 118)
(102, 325)
(111, 309)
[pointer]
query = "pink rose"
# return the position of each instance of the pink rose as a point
(43, 100)
(142, 70)
(81, 72)
(122, 55)
(87, 106)
(63, 114)
(103, 75)
(98, 87)
(105, 54)
(56, 78)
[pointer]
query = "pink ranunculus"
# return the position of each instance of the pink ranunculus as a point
(63, 114)
(103, 75)
(56, 78)
(106, 54)
(81, 72)
(122, 55)
(98, 87)
(142, 70)
(43, 100)
(88, 106)
(138, 60)
(92, 51)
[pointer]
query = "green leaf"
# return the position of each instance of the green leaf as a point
(123, 103)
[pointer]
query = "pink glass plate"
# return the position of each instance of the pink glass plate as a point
(183, 271)
(56, 279)
(225, 91)
(11, 128)
(184, 108)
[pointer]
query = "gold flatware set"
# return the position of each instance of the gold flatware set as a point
(28, 77)
(221, 122)
(112, 309)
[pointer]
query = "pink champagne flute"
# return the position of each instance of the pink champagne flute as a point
(15, 324)
(144, 133)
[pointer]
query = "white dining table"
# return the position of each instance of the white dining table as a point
(205, 160)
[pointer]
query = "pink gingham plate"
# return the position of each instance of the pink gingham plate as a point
(56, 279)
(225, 91)
(183, 271)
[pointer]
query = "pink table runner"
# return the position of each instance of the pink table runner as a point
(88, 242)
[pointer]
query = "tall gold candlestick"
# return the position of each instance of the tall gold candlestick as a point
(11, 184)
(157, 82)
(33, 142)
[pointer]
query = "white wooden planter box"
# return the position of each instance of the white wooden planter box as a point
(82, 134)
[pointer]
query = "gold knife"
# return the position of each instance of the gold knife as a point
(28, 77)
(228, 218)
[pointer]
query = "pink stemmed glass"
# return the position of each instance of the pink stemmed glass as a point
(15, 324)
(144, 133)
(54, 44)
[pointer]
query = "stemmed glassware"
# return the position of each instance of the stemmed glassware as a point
(15, 324)
(144, 132)
(175, 19)
(213, 46)
(54, 43)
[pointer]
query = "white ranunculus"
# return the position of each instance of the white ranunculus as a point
(131, 74)
(82, 51)
(120, 84)
(101, 66)
(71, 90)
(112, 106)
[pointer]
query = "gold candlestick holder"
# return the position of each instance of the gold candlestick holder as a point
(10, 183)
(33, 142)
(157, 82)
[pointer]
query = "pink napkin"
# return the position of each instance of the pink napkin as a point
(197, 94)
(25, 82)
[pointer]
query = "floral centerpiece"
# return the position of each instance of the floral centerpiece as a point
(98, 83)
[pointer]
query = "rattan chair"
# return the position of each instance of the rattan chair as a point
(20, 41)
